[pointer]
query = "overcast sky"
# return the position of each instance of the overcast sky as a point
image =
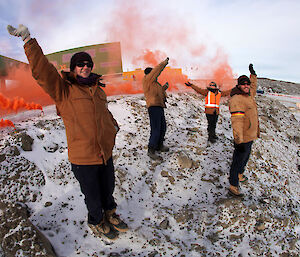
(193, 33)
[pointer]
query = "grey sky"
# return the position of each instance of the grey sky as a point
(264, 32)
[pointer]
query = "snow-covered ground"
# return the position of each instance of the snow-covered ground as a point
(171, 210)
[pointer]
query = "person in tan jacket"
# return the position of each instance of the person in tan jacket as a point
(245, 127)
(212, 105)
(155, 95)
(90, 130)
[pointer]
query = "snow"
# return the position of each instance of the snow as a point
(201, 218)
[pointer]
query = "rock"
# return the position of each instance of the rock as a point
(260, 226)
(51, 148)
(164, 173)
(184, 161)
(154, 242)
(26, 141)
(47, 204)
(164, 224)
(2, 157)
(17, 233)
(153, 253)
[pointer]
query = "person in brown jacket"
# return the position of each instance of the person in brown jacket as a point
(155, 95)
(212, 104)
(245, 127)
(90, 130)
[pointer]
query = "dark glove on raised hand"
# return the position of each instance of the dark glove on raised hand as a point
(22, 31)
(188, 84)
(252, 71)
(240, 147)
(100, 83)
(166, 86)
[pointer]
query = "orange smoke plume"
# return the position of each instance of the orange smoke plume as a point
(151, 58)
(6, 123)
(17, 104)
(19, 82)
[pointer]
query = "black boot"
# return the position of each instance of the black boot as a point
(151, 154)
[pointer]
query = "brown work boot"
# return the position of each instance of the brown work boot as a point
(115, 221)
(152, 155)
(235, 191)
(163, 148)
(103, 229)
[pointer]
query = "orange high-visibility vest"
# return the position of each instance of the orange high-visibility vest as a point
(212, 100)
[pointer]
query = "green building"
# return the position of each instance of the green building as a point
(106, 57)
(7, 63)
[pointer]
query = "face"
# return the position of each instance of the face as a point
(83, 69)
(245, 87)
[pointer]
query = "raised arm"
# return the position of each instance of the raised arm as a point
(197, 89)
(155, 72)
(253, 79)
(43, 71)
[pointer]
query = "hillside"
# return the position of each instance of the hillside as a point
(175, 207)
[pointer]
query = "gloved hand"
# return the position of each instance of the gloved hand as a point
(100, 83)
(21, 31)
(188, 84)
(252, 71)
(240, 147)
(167, 59)
(166, 86)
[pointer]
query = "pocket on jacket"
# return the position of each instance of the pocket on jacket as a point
(83, 105)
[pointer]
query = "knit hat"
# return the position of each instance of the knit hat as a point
(242, 79)
(147, 70)
(80, 57)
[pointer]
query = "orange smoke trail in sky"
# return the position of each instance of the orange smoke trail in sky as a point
(6, 123)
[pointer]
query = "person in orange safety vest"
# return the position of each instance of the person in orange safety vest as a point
(212, 104)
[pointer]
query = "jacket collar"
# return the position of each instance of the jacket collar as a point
(71, 77)
(237, 91)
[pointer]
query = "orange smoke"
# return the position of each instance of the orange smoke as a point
(151, 58)
(17, 104)
(6, 123)
(19, 82)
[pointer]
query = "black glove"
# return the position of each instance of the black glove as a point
(100, 83)
(188, 84)
(240, 147)
(252, 71)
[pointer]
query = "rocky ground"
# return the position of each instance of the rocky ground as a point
(178, 206)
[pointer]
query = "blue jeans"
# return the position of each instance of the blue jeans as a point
(97, 183)
(239, 162)
(158, 126)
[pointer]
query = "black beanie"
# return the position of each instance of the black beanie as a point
(80, 57)
(147, 70)
(242, 79)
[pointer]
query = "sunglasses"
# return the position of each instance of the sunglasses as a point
(245, 83)
(82, 64)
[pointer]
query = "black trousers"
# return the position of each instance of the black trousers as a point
(239, 162)
(158, 126)
(212, 120)
(97, 183)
